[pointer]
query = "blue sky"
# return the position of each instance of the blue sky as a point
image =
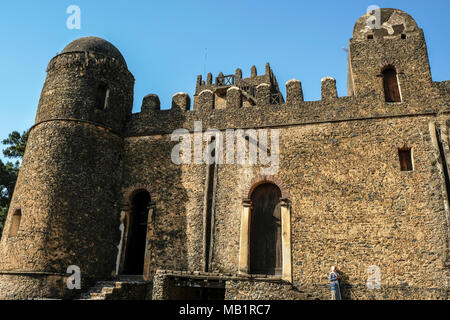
(164, 43)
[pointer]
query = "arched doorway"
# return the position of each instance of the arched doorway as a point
(265, 230)
(390, 84)
(137, 234)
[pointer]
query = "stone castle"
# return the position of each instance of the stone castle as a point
(362, 183)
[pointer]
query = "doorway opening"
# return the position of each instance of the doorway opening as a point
(137, 234)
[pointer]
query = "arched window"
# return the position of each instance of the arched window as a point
(137, 234)
(265, 230)
(15, 223)
(390, 84)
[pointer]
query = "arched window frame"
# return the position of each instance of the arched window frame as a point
(129, 194)
(244, 241)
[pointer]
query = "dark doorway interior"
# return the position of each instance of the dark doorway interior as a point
(265, 230)
(390, 84)
(137, 234)
(196, 290)
(404, 155)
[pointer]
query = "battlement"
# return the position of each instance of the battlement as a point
(233, 92)
(294, 111)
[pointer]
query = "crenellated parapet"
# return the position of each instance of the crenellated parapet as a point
(150, 103)
(295, 111)
(181, 102)
(329, 90)
(234, 98)
(294, 91)
(263, 94)
(205, 101)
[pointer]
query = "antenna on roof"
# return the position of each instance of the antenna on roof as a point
(204, 66)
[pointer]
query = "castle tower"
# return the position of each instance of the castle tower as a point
(65, 209)
(388, 57)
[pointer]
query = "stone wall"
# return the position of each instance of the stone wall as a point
(351, 206)
(263, 290)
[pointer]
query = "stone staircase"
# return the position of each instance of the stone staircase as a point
(248, 91)
(122, 288)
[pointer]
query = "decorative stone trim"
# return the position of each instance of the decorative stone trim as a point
(130, 192)
(244, 239)
(260, 179)
(390, 62)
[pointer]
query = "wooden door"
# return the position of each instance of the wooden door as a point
(390, 83)
(265, 230)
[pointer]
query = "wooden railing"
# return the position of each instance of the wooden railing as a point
(275, 98)
(228, 80)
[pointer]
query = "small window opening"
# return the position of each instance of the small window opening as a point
(404, 156)
(15, 223)
(390, 84)
(370, 36)
(102, 97)
(403, 36)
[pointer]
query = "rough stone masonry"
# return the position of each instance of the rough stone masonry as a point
(362, 182)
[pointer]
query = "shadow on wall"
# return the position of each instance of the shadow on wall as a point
(344, 284)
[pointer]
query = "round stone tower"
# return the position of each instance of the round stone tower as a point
(65, 206)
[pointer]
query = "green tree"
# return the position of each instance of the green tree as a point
(16, 143)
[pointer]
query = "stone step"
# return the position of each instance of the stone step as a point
(105, 283)
(129, 278)
(107, 290)
(104, 290)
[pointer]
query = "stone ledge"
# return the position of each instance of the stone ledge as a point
(220, 276)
